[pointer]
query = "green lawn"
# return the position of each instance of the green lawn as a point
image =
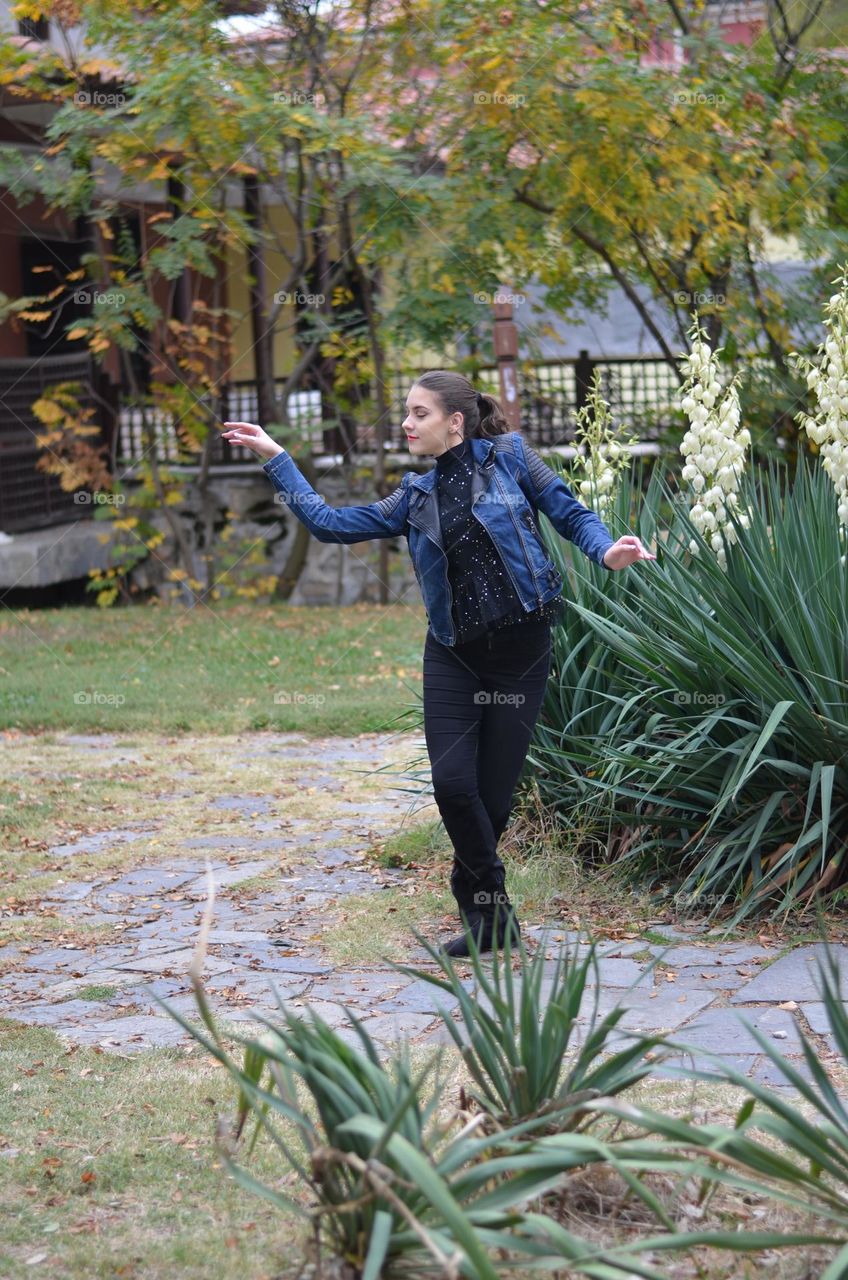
(108, 1167)
(223, 670)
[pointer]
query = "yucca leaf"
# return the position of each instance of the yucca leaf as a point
(582, 1258)
(434, 1188)
(838, 1268)
(378, 1245)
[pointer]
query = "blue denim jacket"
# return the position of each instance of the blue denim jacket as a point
(510, 482)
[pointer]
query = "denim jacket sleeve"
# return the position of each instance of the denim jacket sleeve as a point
(383, 519)
(549, 492)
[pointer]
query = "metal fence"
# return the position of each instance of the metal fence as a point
(641, 394)
(239, 402)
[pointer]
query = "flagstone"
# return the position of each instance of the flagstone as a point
(791, 977)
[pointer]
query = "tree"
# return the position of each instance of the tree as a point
(572, 158)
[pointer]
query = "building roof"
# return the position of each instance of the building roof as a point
(614, 328)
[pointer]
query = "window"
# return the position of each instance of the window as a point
(34, 28)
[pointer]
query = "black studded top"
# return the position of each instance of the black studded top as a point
(484, 598)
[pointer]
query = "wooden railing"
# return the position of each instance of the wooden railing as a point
(30, 499)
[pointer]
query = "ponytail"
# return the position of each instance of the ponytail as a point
(491, 417)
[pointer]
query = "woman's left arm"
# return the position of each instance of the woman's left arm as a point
(576, 522)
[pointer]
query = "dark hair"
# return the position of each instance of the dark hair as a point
(482, 414)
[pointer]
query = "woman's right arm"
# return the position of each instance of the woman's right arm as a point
(383, 519)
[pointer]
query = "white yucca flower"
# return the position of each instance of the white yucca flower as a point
(828, 380)
(713, 448)
(602, 454)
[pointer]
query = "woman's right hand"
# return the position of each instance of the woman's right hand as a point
(254, 437)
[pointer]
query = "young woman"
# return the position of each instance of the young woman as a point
(491, 593)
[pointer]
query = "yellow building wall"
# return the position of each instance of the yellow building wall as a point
(276, 266)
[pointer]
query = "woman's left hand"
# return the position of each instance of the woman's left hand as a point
(626, 551)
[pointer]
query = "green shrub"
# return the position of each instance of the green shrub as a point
(521, 1037)
(701, 711)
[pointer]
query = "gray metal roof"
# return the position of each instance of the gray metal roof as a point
(615, 328)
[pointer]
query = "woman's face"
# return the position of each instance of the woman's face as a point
(427, 426)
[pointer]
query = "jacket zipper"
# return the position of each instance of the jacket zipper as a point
(523, 546)
(450, 603)
(526, 557)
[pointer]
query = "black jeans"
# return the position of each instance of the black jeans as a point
(481, 703)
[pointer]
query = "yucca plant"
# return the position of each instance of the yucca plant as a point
(392, 1187)
(521, 1035)
(396, 1194)
(396, 1197)
(394, 1190)
(718, 703)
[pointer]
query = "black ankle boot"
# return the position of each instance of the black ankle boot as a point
(473, 925)
(481, 928)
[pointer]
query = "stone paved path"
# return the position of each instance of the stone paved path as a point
(698, 993)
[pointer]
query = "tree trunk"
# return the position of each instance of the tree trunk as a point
(296, 561)
(262, 353)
